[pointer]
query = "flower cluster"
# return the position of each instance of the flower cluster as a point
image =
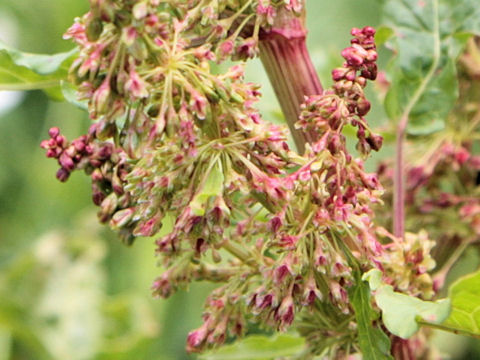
(178, 149)
(346, 102)
(326, 219)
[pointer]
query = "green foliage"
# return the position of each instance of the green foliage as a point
(428, 37)
(465, 297)
(69, 93)
(374, 343)
(24, 71)
(401, 312)
(259, 348)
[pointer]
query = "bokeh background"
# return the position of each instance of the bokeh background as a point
(69, 290)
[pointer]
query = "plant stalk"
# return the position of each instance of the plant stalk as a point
(285, 57)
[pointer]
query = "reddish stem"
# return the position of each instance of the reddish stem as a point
(284, 54)
(399, 181)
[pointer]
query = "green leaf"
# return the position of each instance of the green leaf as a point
(401, 312)
(465, 297)
(374, 343)
(429, 36)
(259, 348)
(24, 71)
(213, 186)
(70, 94)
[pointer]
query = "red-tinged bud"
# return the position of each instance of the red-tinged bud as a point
(372, 55)
(288, 241)
(363, 106)
(197, 338)
(285, 313)
(362, 81)
(105, 151)
(122, 218)
(108, 206)
(162, 286)
(264, 302)
(70, 151)
(375, 141)
(338, 293)
(66, 162)
(368, 31)
(101, 97)
(63, 174)
(80, 143)
(54, 132)
(275, 223)
(462, 155)
(135, 85)
(148, 228)
(45, 144)
(61, 141)
(218, 334)
(295, 5)
(339, 73)
(282, 272)
(266, 11)
(356, 32)
(97, 175)
(247, 49)
(97, 194)
(310, 292)
(352, 57)
(52, 153)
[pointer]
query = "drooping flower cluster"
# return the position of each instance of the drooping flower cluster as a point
(179, 149)
(326, 216)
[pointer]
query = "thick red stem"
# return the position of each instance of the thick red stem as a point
(284, 55)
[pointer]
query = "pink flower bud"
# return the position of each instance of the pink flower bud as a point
(66, 162)
(196, 338)
(54, 132)
(285, 313)
(63, 174)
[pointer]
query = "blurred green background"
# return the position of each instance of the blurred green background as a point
(68, 289)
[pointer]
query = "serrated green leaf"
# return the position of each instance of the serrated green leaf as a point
(374, 343)
(465, 297)
(259, 348)
(24, 71)
(429, 36)
(213, 186)
(400, 312)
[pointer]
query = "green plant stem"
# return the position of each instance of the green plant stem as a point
(284, 55)
(239, 252)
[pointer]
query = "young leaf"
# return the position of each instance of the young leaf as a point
(465, 297)
(24, 71)
(400, 312)
(213, 186)
(259, 348)
(374, 343)
(429, 36)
